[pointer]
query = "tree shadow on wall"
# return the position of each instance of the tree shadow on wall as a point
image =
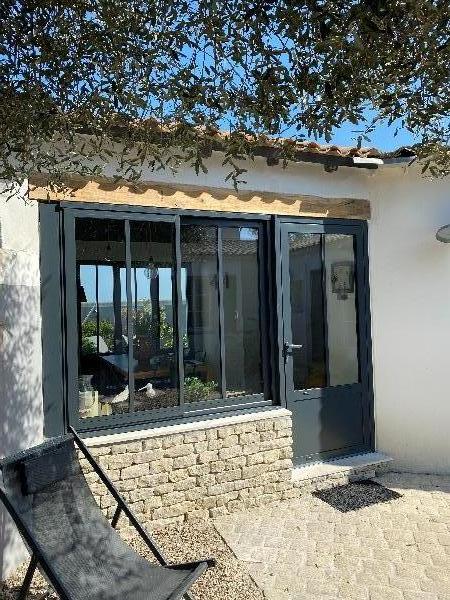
(20, 383)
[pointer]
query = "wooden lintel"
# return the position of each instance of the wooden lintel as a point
(196, 197)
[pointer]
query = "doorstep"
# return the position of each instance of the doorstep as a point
(339, 470)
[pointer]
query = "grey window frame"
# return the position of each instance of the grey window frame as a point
(183, 411)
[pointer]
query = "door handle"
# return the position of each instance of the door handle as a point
(287, 350)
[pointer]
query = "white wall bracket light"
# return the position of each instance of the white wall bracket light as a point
(443, 234)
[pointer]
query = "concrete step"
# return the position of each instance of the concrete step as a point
(339, 471)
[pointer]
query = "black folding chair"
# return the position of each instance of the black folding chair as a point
(69, 538)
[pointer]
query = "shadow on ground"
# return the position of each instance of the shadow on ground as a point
(354, 496)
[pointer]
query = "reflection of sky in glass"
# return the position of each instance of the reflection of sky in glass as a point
(143, 283)
(87, 279)
(248, 233)
(105, 278)
(105, 283)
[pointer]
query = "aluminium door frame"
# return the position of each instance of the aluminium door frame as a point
(363, 306)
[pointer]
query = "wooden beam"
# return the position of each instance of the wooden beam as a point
(196, 197)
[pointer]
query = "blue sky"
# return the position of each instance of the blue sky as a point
(383, 137)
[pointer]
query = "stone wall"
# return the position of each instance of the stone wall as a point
(198, 473)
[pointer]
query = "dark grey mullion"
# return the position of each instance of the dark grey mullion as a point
(285, 314)
(129, 316)
(97, 309)
(135, 290)
(178, 302)
(364, 330)
(277, 298)
(264, 321)
(71, 319)
(221, 312)
(325, 307)
(53, 322)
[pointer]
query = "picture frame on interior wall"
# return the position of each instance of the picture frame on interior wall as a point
(343, 278)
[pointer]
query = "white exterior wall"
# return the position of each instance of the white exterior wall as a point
(410, 294)
(21, 419)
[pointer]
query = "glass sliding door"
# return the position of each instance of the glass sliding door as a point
(242, 311)
(153, 310)
(221, 292)
(201, 325)
(164, 316)
(103, 385)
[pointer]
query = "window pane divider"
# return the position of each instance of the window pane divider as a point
(325, 308)
(178, 311)
(264, 318)
(129, 316)
(97, 309)
(221, 311)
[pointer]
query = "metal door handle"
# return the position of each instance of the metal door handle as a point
(289, 347)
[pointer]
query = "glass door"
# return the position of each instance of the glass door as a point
(325, 339)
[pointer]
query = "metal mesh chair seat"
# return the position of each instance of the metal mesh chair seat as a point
(47, 494)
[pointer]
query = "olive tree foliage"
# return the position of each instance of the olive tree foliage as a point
(139, 84)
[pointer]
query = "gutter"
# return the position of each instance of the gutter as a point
(332, 162)
(373, 163)
(366, 163)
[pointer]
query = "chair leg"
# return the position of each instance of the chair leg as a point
(28, 578)
(116, 517)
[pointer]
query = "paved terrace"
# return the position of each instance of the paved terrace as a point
(305, 549)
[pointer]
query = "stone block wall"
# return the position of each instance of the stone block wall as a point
(198, 473)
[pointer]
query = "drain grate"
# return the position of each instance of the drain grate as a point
(354, 496)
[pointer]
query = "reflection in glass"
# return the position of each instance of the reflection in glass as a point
(307, 301)
(102, 321)
(200, 327)
(243, 373)
(154, 345)
(343, 365)
(324, 323)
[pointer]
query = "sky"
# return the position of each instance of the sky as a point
(384, 137)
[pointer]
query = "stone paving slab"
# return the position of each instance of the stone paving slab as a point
(304, 549)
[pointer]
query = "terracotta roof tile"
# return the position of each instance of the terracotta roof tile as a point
(271, 147)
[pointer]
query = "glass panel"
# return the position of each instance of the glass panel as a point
(102, 318)
(154, 344)
(307, 323)
(200, 324)
(341, 309)
(241, 311)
